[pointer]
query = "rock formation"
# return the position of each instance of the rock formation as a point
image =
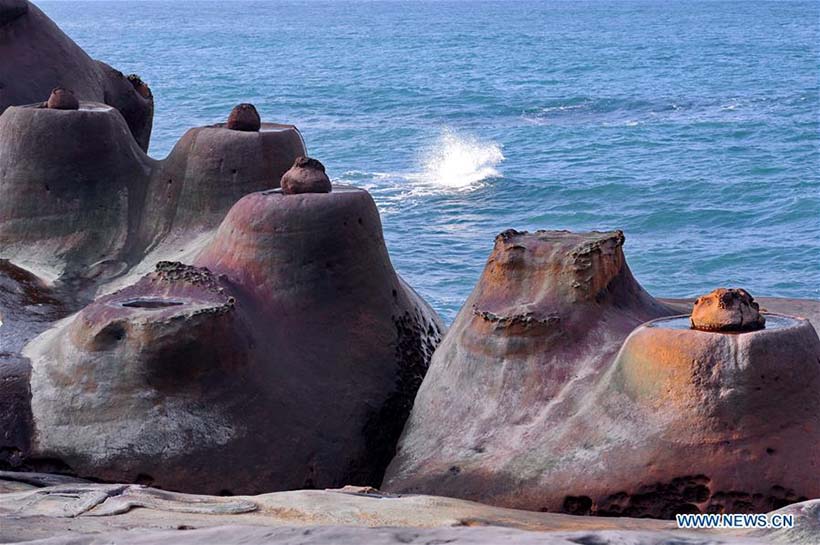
(306, 176)
(558, 410)
(38, 56)
(68, 511)
(282, 351)
(62, 99)
(82, 204)
(287, 357)
(244, 117)
(727, 310)
(73, 187)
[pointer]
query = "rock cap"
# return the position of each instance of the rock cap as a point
(62, 99)
(307, 175)
(727, 310)
(244, 117)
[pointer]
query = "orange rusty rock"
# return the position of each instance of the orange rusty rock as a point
(727, 310)
(547, 394)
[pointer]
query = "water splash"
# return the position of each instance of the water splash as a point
(457, 162)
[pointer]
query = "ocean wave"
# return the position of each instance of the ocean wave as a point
(457, 162)
(453, 162)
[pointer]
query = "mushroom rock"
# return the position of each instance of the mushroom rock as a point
(567, 402)
(73, 185)
(727, 310)
(548, 315)
(160, 372)
(211, 168)
(83, 204)
(62, 99)
(287, 356)
(244, 117)
(38, 56)
(710, 421)
(306, 176)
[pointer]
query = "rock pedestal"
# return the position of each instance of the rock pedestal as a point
(38, 56)
(211, 168)
(287, 357)
(542, 396)
(72, 185)
(545, 320)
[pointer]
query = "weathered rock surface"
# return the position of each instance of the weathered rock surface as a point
(62, 99)
(73, 187)
(306, 176)
(244, 117)
(551, 413)
(38, 56)
(727, 310)
(83, 205)
(59, 510)
(738, 411)
(211, 168)
(288, 358)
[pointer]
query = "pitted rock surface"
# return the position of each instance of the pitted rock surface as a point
(306, 176)
(727, 310)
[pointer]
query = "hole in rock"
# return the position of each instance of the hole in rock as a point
(151, 304)
(577, 505)
(143, 479)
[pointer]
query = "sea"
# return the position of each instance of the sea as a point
(693, 126)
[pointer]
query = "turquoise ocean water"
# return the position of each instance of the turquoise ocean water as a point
(692, 126)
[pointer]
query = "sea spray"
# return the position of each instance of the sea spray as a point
(457, 162)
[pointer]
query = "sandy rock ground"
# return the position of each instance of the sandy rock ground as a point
(38, 508)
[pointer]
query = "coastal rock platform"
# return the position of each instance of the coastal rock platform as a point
(36, 508)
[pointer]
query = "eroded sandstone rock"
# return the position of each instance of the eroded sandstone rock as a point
(73, 189)
(307, 175)
(84, 211)
(563, 407)
(244, 117)
(211, 378)
(82, 204)
(63, 511)
(212, 167)
(37, 56)
(547, 316)
(727, 310)
(62, 99)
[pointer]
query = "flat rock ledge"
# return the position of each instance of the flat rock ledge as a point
(51, 509)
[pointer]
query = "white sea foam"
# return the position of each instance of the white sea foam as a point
(457, 162)
(453, 162)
